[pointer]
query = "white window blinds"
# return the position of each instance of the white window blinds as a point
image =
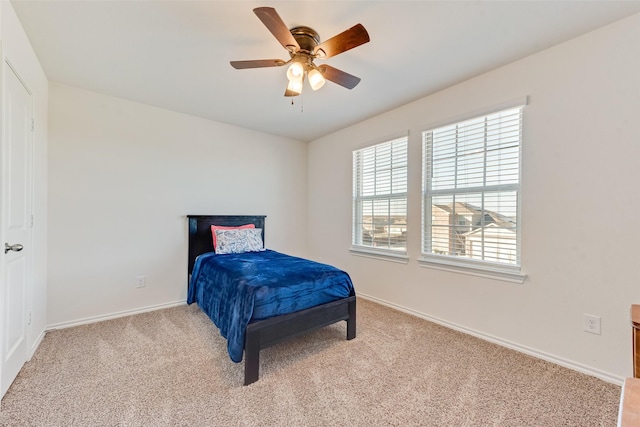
(380, 196)
(471, 185)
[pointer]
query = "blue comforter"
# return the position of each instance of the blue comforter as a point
(234, 289)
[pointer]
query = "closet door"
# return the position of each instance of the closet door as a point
(17, 140)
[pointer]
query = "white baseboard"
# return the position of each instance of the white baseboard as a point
(101, 318)
(605, 376)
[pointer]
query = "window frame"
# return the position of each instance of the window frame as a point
(385, 253)
(460, 264)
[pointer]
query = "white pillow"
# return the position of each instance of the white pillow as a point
(239, 241)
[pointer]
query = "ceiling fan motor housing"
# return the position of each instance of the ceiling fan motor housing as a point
(307, 38)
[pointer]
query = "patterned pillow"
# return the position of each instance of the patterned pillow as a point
(221, 227)
(239, 241)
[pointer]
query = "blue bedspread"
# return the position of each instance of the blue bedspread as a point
(234, 289)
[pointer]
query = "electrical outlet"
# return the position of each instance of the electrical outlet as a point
(591, 324)
(141, 281)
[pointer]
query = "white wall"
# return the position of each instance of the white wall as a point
(122, 177)
(580, 204)
(18, 51)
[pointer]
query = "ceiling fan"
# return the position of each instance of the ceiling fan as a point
(303, 45)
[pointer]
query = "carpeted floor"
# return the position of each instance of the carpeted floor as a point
(170, 368)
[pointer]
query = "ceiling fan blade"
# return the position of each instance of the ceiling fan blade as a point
(278, 28)
(353, 37)
(257, 63)
(339, 77)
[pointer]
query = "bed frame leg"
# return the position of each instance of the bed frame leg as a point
(251, 357)
(351, 322)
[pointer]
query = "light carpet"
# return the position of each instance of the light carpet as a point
(170, 368)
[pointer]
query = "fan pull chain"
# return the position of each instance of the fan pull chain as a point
(301, 103)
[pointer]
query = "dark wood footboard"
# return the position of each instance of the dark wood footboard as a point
(264, 333)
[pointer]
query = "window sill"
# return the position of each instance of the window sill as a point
(504, 273)
(382, 255)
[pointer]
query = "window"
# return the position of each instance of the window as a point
(471, 186)
(380, 197)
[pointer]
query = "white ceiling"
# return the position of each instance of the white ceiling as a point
(175, 54)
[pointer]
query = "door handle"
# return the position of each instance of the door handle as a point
(16, 248)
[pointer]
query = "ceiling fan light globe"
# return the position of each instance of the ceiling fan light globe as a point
(295, 71)
(295, 86)
(316, 80)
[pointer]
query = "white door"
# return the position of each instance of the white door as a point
(16, 224)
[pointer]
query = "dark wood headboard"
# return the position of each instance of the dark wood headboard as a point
(200, 239)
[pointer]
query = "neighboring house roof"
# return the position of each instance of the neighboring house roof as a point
(462, 208)
(493, 230)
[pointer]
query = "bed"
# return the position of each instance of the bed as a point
(261, 332)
